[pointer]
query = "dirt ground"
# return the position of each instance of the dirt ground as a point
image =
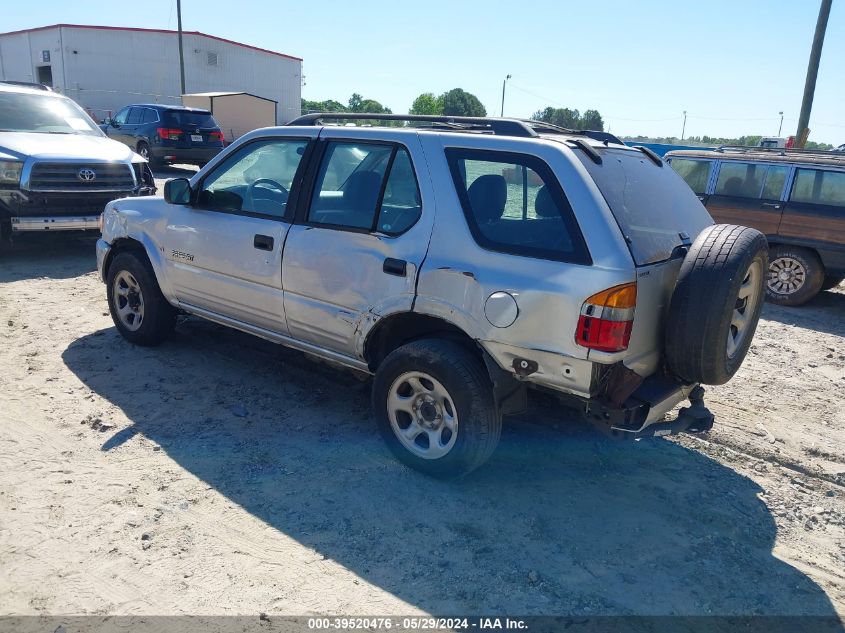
(218, 474)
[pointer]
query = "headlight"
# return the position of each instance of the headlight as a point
(10, 172)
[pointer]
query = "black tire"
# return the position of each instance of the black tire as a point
(158, 316)
(464, 377)
(803, 275)
(706, 302)
(831, 281)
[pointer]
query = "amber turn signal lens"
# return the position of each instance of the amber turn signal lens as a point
(624, 296)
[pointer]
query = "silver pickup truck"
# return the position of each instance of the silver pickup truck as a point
(57, 168)
(458, 263)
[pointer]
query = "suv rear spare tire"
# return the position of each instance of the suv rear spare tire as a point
(716, 304)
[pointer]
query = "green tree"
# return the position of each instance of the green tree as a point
(564, 117)
(457, 102)
(355, 102)
(427, 103)
(329, 105)
(591, 120)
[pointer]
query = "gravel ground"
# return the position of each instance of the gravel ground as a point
(218, 474)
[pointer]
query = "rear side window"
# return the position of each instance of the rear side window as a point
(514, 204)
(696, 173)
(816, 186)
(184, 118)
(744, 180)
(150, 116)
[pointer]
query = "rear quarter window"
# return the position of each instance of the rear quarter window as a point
(817, 186)
(652, 205)
(514, 204)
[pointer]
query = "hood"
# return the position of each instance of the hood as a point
(22, 145)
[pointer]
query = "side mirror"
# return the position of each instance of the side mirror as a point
(177, 191)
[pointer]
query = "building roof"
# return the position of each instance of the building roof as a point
(168, 31)
(226, 94)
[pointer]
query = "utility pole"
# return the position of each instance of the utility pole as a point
(812, 71)
(780, 127)
(504, 83)
(684, 128)
(181, 52)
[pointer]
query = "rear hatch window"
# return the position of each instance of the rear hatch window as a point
(653, 206)
(185, 119)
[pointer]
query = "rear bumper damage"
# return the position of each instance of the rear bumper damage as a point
(642, 414)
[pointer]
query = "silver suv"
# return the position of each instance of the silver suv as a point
(459, 262)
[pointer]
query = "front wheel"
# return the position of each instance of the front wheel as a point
(138, 308)
(435, 409)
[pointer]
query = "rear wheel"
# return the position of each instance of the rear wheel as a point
(434, 406)
(138, 308)
(795, 276)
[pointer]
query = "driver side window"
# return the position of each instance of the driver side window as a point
(120, 117)
(255, 179)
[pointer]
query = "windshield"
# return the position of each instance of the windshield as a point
(183, 118)
(652, 204)
(45, 114)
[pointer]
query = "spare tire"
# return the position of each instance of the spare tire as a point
(716, 304)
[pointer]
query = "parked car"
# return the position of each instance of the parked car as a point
(167, 134)
(795, 197)
(57, 169)
(408, 254)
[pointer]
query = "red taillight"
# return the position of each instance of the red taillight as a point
(216, 135)
(168, 134)
(607, 318)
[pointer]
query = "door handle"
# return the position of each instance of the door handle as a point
(398, 267)
(771, 205)
(263, 242)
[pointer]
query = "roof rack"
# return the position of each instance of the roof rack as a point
(783, 151)
(490, 125)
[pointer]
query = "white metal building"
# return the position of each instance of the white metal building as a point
(104, 68)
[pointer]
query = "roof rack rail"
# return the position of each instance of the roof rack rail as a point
(780, 150)
(503, 127)
(500, 126)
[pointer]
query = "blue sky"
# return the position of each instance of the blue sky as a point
(731, 64)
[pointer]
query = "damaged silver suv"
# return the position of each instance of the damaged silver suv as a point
(459, 261)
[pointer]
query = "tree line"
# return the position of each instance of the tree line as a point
(459, 102)
(455, 102)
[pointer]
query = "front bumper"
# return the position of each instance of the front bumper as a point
(51, 223)
(103, 249)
